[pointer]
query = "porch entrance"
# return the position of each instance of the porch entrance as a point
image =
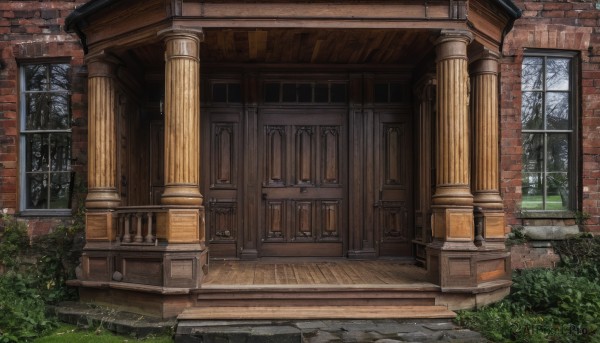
(313, 165)
(303, 162)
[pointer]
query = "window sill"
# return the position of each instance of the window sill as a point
(545, 215)
(46, 213)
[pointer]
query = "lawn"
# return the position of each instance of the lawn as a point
(73, 334)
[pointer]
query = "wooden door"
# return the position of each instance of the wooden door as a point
(393, 214)
(302, 164)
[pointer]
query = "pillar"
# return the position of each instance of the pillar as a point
(484, 107)
(182, 116)
(452, 203)
(102, 134)
(451, 258)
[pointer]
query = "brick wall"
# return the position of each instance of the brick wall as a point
(31, 30)
(564, 25)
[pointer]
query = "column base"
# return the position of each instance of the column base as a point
(102, 198)
(185, 195)
(492, 229)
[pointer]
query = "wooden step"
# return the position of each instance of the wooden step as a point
(283, 296)
(315, 312)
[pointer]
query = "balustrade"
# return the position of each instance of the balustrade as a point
(136, 225)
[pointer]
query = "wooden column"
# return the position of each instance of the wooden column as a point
(484, 108)
(102, 137)
(452, 202)
(182, 116)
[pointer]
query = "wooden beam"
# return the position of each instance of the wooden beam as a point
(257, 45)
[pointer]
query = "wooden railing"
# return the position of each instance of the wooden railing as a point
(136, 225)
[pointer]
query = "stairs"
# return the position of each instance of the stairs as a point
(307, 302)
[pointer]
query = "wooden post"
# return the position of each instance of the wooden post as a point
(452, 203)
(102, 136)
(451, 255)
(182, 116)
(484, 107)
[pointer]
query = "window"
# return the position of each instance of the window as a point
(547, 117)
(46, 180)
(322, 92)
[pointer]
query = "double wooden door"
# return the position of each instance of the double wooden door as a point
(302, 165)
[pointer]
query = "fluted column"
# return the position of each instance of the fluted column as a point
(484, 108)
(484, 95)
(102, 136)
(182, 116)
(452, 203)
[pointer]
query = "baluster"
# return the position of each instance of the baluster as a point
(126, 234)
(149, 236)
(138, 232)
(120, 227)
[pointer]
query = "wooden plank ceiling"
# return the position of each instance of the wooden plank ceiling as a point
(405, 47)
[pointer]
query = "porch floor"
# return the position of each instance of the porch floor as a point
(315, 289)
(317, 273)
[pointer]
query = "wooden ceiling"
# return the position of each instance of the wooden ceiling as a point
(402, 47)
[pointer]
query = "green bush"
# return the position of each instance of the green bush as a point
(34, 276)
(22, 309)
(548, 305)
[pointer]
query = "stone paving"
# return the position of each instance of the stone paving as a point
(324, 331)
(266, 331)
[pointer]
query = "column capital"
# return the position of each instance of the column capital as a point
(101, 64)
(484, 61)
(453, 44)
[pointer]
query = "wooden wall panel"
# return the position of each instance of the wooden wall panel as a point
(275, 155)
(330, 156)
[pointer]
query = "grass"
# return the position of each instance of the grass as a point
(73, 334)
(534, 202)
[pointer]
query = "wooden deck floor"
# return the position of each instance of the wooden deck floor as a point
(309, 273)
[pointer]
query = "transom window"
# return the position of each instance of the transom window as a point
(547, 116)
(45, 136)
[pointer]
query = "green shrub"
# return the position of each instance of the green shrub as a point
(548, 305)
(34, 276)
(22, 309)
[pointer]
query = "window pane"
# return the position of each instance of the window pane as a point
(557, 192)
(321, 92)
(37, 191)
(59, 77)
(557, 111)
(235, 93)
(272, 92)
(531, 73)
(289, 92)
(533, 152)
(36, 77)
(531, 111)
(557, 74)
(59, 190)
(396, 92)
(532, 191)
(37, 152)
(219, 92)
(558, 152)
(37, 107)
(338, 93)
(60, 152)
(380, 92)
(59, 112)
(304, 92)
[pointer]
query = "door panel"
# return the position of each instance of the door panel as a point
(221, 181)
(303, 189)
(393, 175)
